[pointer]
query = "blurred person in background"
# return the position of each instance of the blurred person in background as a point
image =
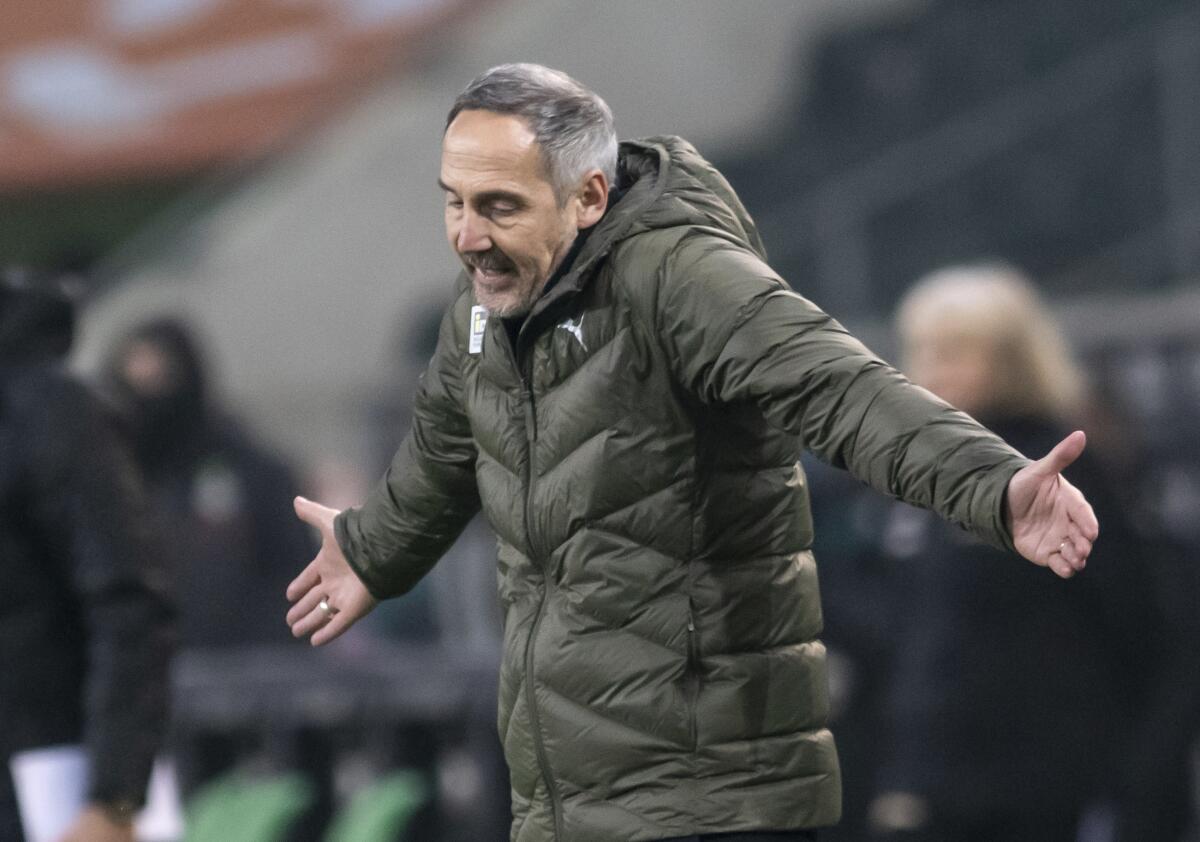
(224, 504)
(622, 385)
(223, 498)
(1015, 700)
(86, 628)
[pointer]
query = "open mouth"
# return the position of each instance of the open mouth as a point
(490, 271)
(489, 277)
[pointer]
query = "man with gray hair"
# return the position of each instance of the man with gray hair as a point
(623, 386)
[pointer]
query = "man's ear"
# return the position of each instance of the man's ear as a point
(592, 198)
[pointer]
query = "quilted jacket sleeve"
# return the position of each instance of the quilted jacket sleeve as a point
(428, 494)
(735, 332)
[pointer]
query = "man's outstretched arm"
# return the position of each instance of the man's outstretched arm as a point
(327, 596)
(736, 333)
(1051, 522)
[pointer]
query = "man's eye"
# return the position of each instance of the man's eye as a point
(503, 210)
(454, 203)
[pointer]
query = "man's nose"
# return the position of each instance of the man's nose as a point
(472, 234)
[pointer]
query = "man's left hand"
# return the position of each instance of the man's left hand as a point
(1051, 523)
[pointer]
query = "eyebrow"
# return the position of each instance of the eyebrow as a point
(489, 195)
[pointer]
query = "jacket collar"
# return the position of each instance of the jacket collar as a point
(647, 171)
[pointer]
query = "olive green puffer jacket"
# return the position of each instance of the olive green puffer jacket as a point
(636, 453)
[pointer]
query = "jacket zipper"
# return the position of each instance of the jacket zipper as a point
(530, 696)
(693, 679)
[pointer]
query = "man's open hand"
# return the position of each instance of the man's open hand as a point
(1051, 523)
(328, 595)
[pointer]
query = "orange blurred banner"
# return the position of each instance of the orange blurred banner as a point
(94, 90)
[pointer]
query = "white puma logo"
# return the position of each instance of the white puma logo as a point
(575, 328)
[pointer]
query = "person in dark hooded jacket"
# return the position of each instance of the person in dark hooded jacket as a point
(623, 386)
(86, 625)
(223, 500)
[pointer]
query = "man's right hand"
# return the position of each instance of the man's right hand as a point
(327, 579)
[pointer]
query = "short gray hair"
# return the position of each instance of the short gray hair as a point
(573, 126)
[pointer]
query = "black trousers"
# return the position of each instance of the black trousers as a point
(752, 836)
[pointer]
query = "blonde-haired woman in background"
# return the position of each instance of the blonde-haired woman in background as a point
(1012, 701)
(980, 338)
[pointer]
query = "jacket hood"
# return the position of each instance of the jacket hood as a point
(667, 184)
(35, 322)
(181, 350)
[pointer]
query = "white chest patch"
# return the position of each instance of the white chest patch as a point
(575, 328)
(478, 326)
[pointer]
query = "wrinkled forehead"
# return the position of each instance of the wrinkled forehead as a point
(481, 144)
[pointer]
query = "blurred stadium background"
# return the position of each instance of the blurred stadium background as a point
(265, 170)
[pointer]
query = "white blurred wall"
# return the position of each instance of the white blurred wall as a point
(298, 279)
